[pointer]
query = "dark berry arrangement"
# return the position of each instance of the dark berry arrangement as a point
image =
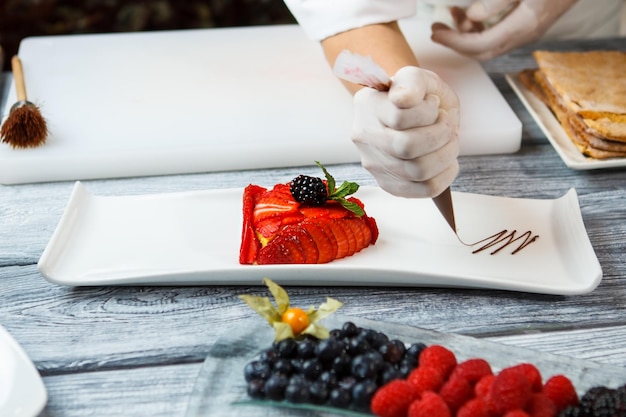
(313, 191)
(344, 370)
(364, 370)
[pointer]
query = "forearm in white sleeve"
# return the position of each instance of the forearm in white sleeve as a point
(323, 18)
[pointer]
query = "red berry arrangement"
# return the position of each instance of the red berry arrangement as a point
(441, 387)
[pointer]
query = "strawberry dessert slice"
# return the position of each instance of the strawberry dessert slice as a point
(305, 221)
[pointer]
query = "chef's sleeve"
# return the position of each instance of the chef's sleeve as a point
(323, 18)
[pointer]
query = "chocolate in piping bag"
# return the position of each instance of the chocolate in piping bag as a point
(364, 71)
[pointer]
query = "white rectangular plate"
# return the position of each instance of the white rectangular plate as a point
(22, 392)
(553, 130)
(193, 238)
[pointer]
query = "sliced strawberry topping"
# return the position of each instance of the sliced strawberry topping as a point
(343, 242)
(326, 251)
(249, 243)
(322, 224)
(282, 250)
(349, 235)
(293, 245)
(362, 235)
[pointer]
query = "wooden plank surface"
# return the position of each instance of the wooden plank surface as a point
(135, 351)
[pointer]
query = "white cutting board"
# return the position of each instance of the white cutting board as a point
(154, 103)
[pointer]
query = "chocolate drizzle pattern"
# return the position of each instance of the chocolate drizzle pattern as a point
(504, 239)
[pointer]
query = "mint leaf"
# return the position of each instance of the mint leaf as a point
(339, 194)
(352, 206)
(329, 178)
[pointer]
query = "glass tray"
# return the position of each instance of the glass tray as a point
(220, 389)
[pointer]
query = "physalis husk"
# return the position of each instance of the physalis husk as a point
(287, 321)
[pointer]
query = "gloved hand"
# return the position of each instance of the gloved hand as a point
(524, 21)
(408, 136)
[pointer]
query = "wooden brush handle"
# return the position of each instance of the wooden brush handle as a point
(18, 77)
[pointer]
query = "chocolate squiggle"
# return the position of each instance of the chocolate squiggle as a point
(504, 239)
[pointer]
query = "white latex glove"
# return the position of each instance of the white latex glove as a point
(408, 136)
(524, 21)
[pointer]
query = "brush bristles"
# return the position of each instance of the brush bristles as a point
(25, 127)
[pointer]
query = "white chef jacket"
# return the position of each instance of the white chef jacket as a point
(323, 18)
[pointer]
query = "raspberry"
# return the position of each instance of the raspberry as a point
(483, 386)
(531, 373)
(429, 405)
(472, 370)
(516, 413)
(541, 405)
(509, 391)
(393, 399)
(456, 391)
(438, 357)
(425, 378)
(476, 407)
(561, 391)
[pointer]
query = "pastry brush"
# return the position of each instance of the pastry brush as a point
(24, 127)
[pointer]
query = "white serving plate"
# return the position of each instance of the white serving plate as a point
(553, 130)
(22, 392)
(193, 238)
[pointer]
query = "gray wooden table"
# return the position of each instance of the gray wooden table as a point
(135, 351)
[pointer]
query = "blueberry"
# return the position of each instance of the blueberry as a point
(287, 348)
(389, 373)
(256, 388)
(393, 351)
(329, 378)
(296, 365)
(341, 364)
(365, 366)
(318, 392)
(413, 352)
(357, 346)
(312, 369)
(375, 339)
(329, 349)
(347, 382)
(283, 366)
(297, 391)
(268, 355)
(362, 394)
(405, 367)
(306, 348)
(257, 370)
(340, 398)
(275, 387)
(349, 329)
(336, 334)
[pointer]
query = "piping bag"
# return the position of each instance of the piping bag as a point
(362, 70)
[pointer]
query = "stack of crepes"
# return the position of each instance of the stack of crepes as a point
(587, 93)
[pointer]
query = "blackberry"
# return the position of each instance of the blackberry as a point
(599, 401)
(308, 190)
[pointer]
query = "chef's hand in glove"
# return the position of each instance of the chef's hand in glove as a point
(408, 136)
(524, 21)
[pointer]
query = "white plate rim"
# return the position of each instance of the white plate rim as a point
(28, 395)
(362, 269)
(557, 137)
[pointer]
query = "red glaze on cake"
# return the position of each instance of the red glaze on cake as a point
(279, 230)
